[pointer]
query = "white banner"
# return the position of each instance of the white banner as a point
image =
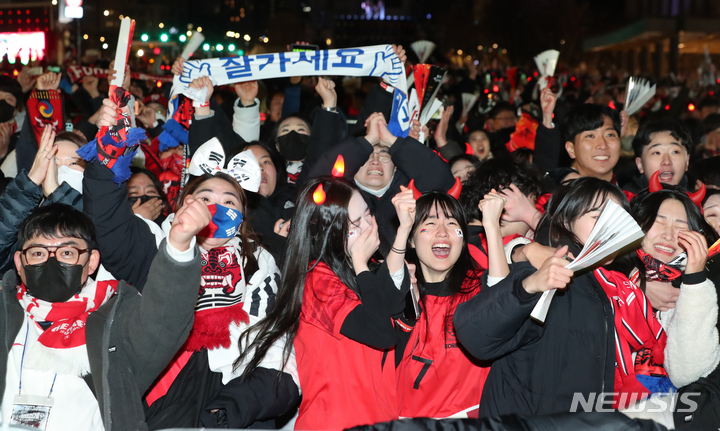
(379, 61)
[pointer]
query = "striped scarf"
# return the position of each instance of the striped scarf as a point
(636, 330)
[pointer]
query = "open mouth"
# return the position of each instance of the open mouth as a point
(263, 180)
(375, 172)
(665, 177)
(441, 250)
(601, 158)
(211, 281)
(664, 249)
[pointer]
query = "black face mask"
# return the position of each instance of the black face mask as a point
(293, 146)
(7, 111)
(142, 198)
(53, 282)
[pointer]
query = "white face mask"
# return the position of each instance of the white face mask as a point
(71, 176)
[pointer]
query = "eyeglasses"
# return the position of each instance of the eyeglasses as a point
(382, 157)
(65, 254)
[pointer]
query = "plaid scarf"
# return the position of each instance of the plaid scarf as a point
(61, 347)
(636, 330)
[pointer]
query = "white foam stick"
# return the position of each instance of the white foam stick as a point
(614, 230)
(638, 92)
(413, 105)
(123, 48)
(546, 62)
(193, 44)
(423, 49)
(429, 113)
(468, 100)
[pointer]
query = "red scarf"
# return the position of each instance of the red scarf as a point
(68, 318)
(61, 347)
(45, 107)
(636, 329)
(657, 270)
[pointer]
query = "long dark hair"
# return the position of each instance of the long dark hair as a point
(248, 238)
(572, 201)
(465, 266)
(318, 234)
(645, 206)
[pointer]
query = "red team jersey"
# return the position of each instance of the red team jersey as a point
(436, 378)
(344, 383)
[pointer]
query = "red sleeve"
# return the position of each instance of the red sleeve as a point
(327, 301)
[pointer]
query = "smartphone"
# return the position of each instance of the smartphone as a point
(298, 47)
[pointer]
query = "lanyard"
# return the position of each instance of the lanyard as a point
(22, 359)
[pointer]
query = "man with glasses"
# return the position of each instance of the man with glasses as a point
(79, 353)
(380, 163)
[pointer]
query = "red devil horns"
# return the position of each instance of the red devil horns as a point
(698, 196)
(454, 190)
(416, 192)
(655, 185)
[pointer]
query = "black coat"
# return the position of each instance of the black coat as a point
(412, 159)
(130, 339)
(538, 367)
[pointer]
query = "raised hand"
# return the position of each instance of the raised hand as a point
(386, 138)
(371, 123)
(696, 247)
(189, 221)
(492, 208)
(48, 81)
(106, 116)
(548, 99)
(519, 207)
(624, 118)
(247, 92)
(415, 128)
(551, 275)
(146, 115)
(177, 67)
(405, 204)
(442, 127)
(44, 156)
(326, 90)
(26, 81)
(203, 82)
(90, 84)
(400, 52)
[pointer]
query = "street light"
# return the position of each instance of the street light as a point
(247, 38)
(161, 25)
(164, 37)
(140, 53)
(144, 37)
(183, 38)
(106, 13)
(231, 47)
(206, 47)
(219, 47)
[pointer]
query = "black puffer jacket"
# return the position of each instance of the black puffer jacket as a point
(538, 367)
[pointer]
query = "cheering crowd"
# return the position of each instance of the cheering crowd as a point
(273, 256)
